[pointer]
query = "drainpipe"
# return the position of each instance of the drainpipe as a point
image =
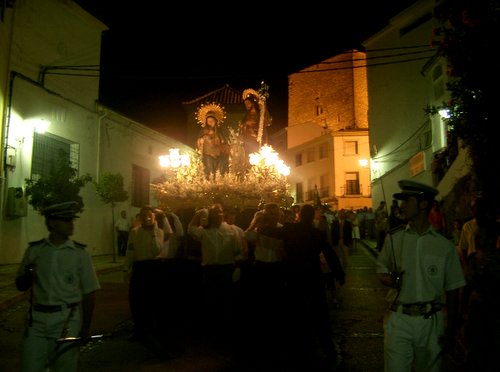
(98, 160)
(4, 143)
(5, 119)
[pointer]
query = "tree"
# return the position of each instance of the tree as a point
(468, 32)
(110, 190)
(62, 184)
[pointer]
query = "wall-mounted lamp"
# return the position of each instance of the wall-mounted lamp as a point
(363, 163)
(444, 113)
(25, 129)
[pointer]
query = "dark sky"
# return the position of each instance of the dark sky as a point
(156, 56)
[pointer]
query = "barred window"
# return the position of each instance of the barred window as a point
(352, 183)
(141, 179)
(47, 148)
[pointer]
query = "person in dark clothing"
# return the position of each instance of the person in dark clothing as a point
(341, 233)
(306, 294)
(482, 320)
(395, 219)
(381, 224)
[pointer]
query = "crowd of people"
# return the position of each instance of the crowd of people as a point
(262, 281)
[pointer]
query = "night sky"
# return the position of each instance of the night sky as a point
(155, 57)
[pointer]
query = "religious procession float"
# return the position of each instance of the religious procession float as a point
(232, 166)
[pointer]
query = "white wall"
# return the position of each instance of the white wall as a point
(399, 90)
(56, 32)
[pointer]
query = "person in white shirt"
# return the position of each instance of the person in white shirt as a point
(142, 267)
(221, 253)
(122, 227)
(423, 272)
(267, 299)
(59, 273)
(171, 246)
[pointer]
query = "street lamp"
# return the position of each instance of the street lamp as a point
(363, 163)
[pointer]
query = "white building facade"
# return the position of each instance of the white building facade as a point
(405, 78)
(52, 81)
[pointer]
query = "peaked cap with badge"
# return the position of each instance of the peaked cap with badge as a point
(414, 188)
(64, 210)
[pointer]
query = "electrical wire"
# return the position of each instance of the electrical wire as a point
(127, 74)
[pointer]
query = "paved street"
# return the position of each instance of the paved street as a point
(357, 324)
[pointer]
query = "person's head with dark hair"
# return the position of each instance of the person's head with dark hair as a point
(306, 214)
(230, 215)
(273, 213)
(147, 216)
(215, 215)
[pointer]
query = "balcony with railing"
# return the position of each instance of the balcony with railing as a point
(322, 192)
(352, 188)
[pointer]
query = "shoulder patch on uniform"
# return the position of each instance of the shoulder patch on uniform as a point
(36, 242)
(396, 229)
(80, 245)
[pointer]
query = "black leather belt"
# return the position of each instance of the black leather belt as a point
(425, 309)
(53, 308)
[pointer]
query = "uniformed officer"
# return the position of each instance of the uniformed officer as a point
(62, 279)
(423, 270)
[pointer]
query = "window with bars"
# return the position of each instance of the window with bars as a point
(47, 150)
(141, 179)
(352, 186)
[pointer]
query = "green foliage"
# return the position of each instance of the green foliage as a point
(61, 185)
(468, 32)
(110, 188)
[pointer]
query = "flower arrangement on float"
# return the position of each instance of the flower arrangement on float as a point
(187, 187)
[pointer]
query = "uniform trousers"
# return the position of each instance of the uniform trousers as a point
(40, 348)
(413, 340)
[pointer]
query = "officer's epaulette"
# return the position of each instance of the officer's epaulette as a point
(396, 229)
(36, 242)
(80, 245)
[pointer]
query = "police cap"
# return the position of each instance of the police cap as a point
(66, 210)
(417, 189)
